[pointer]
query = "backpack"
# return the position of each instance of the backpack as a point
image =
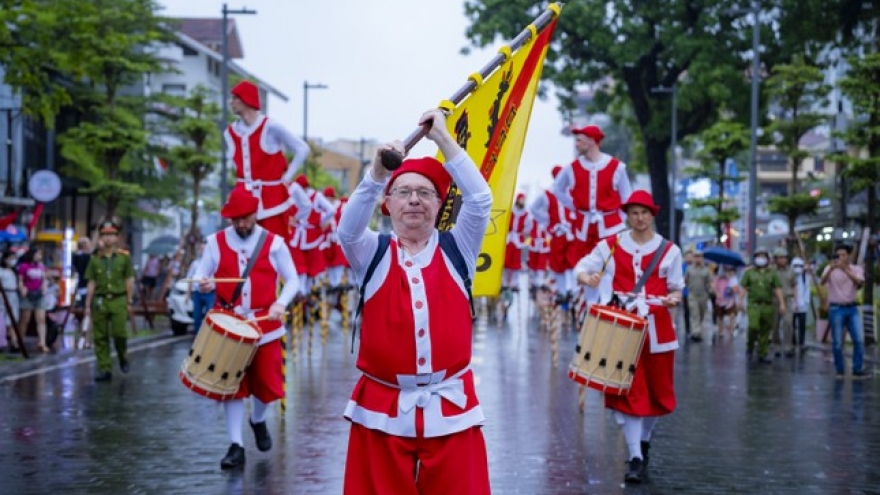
(447, 245)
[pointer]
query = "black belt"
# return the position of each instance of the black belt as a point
(846, 305)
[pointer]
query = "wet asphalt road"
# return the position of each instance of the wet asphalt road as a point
(787, 427)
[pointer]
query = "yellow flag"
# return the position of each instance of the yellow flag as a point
(491, 126)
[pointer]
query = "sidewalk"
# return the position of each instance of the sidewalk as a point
(12, 364)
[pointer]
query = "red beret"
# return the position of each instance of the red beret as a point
(329, 192)
(591, 131)
(640, 197)
(556, 170)
(241, 203)
(302, 180)
(248, 93)
(108, 227)
(427, 166)
(520, 196)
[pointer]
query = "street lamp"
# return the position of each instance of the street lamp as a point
(306, 88)
(674, 165)
(224, 96)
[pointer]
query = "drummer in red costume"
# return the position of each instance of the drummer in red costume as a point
(594, 185)
(257, 145)
(520, 224)
(416, 420)
(226, 255)
(553, 216)
(539, 255)
(624, 257)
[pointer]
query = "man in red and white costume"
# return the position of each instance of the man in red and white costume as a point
(595, 185)
(226, 255)
(520, 224)
(416, 420)
(308, 235)
(624, 258)
(552, 214)
(256, 146)
(539, 256)
(333, 255)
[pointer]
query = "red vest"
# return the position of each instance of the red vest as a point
(539, 242)
(625, 280)
(607, 197)
(517, 230)
(258, 292)
(252, 163)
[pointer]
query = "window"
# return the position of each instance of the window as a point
(174, 89)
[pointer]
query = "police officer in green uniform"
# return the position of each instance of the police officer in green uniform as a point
(108, 300)
(761, 284)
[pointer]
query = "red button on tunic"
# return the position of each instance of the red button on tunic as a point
(419, 304)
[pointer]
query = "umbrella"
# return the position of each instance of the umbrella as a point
(723, 256)
(163, 245)
(13, 233)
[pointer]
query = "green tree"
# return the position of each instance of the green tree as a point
(862, 86)
(193, 121)
(798, 90)
(723, 141)
(637, 46)
(318, 178)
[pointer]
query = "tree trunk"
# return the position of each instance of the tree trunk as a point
(719, 226)
(658, 165)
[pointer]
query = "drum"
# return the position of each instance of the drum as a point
(608, 351)
(221, 352)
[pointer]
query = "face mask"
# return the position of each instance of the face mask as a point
(761, 261)
(798, 269)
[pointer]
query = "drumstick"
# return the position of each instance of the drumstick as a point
(213, 280)
(260, 318)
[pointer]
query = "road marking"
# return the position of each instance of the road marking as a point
(89, 359)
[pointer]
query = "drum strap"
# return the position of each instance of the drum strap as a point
(655, 261)
(447, 245)
(247, 271)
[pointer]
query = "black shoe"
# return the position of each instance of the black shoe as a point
(636, 471)
(234, 457)
(124, 366)
(696, 338)
(261, 435)
(104, 376)
(646, 446)
(764, 360)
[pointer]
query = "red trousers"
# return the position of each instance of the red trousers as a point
(579, 248)
(383, 464)
(264, 378)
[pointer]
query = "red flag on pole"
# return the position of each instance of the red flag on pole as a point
(8, 219)
(37, 211)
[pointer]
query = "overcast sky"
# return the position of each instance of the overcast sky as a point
(384, 62)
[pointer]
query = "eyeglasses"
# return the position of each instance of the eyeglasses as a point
(406, 193)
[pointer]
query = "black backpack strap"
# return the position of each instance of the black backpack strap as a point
(247, 271)
(384, 242)
(448, 245)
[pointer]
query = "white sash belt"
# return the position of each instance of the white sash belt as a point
(418, 390)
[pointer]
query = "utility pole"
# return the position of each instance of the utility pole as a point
(306, 88)
(224, 95)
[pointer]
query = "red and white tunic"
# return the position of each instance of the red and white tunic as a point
(539, 247)
(332, 250)
(596, 190)
(520, 224)
(258, 154)
(416, 334)
(226, 255)
(652, 392)
(558, 220)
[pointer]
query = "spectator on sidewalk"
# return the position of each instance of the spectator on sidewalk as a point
(782, 337)
(726, 287)
(698, 280)
(843, 279)
(202, 301)
(150, 275)
(9, 286)
(802, 298)
(32, 288)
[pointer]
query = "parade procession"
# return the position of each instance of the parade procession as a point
(488, 264)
